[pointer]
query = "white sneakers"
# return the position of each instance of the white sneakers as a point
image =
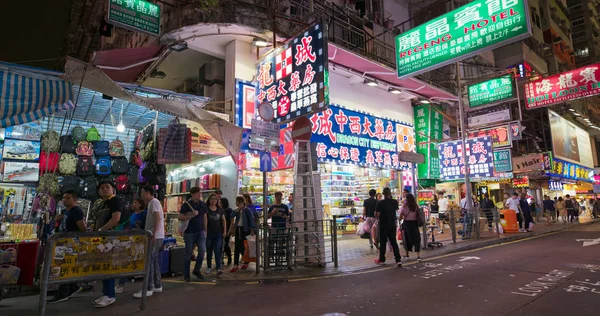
(208, 270)
(157, 289)
(148, 293)
(104, 301)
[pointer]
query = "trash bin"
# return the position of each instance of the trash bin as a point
(508, 221)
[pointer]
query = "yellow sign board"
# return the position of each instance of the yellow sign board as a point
(89, 256)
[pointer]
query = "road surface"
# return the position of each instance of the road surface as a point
(557, 274)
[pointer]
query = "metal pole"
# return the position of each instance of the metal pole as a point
(413, 170)
(265, 224)
(258, 247)
(519, 99)
(311, 6)
(334, 236)
(45, 276)
(469, 193)
(149, 250)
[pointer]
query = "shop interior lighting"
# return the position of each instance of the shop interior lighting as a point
(576, 114)
(393, 90)
(571, 109)
(425, 102)
(121, 126)
(371, 83)
(178, 46)
(259, 42)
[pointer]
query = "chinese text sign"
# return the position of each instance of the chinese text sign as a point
(353, 137)
(562, 87)
(244, 103)
(502, 160)
(478, 152)
(501, 135)
(293, 78)
(491, 91)
(138, 15)
(428, 130)
(464, 32)
(568, 170)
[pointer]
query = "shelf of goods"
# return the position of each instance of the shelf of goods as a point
(178, 191)
(278, 181)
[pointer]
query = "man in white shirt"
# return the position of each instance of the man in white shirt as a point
(443, 205)
(156, 224)
(513, 204)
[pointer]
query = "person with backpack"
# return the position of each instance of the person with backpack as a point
(411, 237)
(385, 211)
(215, 231)
(194, 211)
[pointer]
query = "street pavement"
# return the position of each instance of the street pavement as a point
(555, 274)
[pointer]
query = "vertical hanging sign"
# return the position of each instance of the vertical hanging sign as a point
(428, 130)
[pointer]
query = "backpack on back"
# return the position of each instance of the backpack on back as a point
(50, 141)
(85, 148)
(120, 165)
(48, 162)
(78, 133)
(70, 183)
(116, 148)
(93, 135)
(89, 188)
(122, 183)
(101, 148)
(67, 164)
(67, 145)
(85, 166)
(103, 166)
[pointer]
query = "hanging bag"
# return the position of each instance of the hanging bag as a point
(50, 141)
(175, 141)
(67, 145)
(101, 148)
(116, 148)
(85, 148)
(93, 135)
(78, 133)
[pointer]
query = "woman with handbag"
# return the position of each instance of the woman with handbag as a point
(411, 238)
(215, 231)
(241, 227)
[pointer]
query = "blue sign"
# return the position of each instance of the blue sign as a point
(478, 152)
(293, 77)
(244, 103)
(265, 161)
(354, 137)
(569, 170)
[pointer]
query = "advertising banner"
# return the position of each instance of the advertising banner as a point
(487, 116)
(293, 77)
(478, 26)
(569, 141)
(21, 149)
(479, 154)
(531, 162)
(502, 160)
(501, 135)
(20, 171)
(244, 103)
(569, 85)
(354, 137)
(491, 91)
(137, 15)
(428, 132)
(568, 170)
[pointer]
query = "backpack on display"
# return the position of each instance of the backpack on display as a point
(70, 183)
(93, 135)
(122, 183)
(148, 134)
(103, 166)
(78, 133)
(49, 182)
(127, 200)
(67, 164)
(67, 145)
(85, 166)
(120, 165)
(101, 148)
(48, 162)
(50, 141)
(137, 143)
(89, 188)
(148, 153)
(116, 148)
(141, 178)
(85, 148)
(133, 174)
(134, 158)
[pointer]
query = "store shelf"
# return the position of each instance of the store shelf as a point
(187, 193)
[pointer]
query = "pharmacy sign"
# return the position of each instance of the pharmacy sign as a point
(467, 31)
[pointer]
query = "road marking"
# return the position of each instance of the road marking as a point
(191, 283)
(543, 283)
(468, 258)
(589, 242)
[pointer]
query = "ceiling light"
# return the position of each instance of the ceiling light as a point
(586, 119)
(259, 42)
(158, 74)
(371, 83)
(121, 127)
(571, 109)
(179, 46)
(425, 101)
(576, 114)
(393, 90)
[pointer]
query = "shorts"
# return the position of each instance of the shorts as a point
(435, 215)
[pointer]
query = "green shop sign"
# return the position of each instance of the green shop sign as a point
(467, 31)
(428, 132)
(491, 91)
(136, 15)
(502, 160)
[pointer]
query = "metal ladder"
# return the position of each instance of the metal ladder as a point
(307, 230)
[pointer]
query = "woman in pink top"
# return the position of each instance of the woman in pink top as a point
(411, 236)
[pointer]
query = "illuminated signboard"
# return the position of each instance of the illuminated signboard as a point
(568, 170)
(354, 137)
(479, 154)
(428, 132)
(293, 78)
(501, 135)
(244, 103)
(467, 31)
(491, 91)
(502, 160)
(138, 15)
(569, 85)
(521, 182)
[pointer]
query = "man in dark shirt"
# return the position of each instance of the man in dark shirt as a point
(549, 209)
(73, 219)
(194, 211)
(369, 213)
(386, 212)
(279, 212)
(487, 206)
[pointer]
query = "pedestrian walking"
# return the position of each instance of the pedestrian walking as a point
(561, 206)
(571, 208)
(155, 223)
(369, 214)
(549, 209)
(215, 231)
(229, 215)
(512, 203)
(487, 206)
(194, 211)
(534, 211)
(526, 211)
(250, 204)
(385, 211)
(241, 227)
(137, 221)
(411, 237)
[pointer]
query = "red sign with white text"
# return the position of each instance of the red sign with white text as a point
(569, 85)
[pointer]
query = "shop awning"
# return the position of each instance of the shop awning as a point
(125, 65)
(362, 65)
(26, 95)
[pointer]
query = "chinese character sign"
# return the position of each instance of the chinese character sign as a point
(573, 84)
(478, 152)
(138, 15)
(501, 135)
(502, 160)
(428, 131)
(293, 78)
(469, 30)
(568, 170)
(244, 103)
(354, 137)
(491, 91)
